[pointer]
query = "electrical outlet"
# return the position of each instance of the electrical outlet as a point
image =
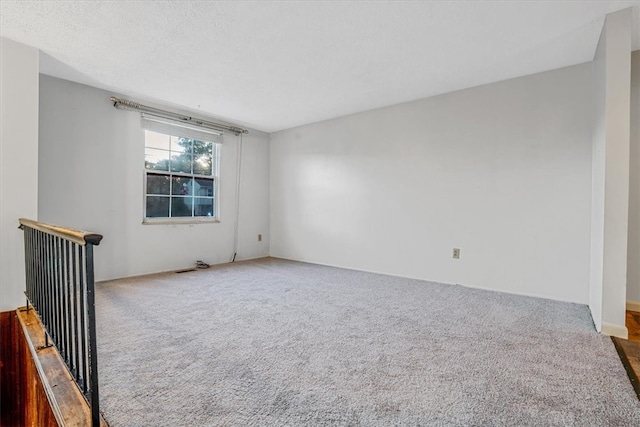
(456, 253)
(259, 237)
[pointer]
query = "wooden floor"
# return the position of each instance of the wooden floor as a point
(633, 325)
(629, 349)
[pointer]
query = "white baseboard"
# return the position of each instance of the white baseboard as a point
(633, 306)
(614, 330)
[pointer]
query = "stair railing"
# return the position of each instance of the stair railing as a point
(60, 288)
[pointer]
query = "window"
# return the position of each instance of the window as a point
(181, 177)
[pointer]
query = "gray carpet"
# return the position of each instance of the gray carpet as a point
(281, 343)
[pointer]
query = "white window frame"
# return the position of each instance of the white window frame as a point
(215, 176)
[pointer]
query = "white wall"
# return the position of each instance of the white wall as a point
(254, 197)
(18, 163)
(633, 256)
(501, 171)
(609, 228)
(597, 181)
(91, 177)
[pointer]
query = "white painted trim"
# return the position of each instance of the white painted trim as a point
(633, 306)
(614, 330)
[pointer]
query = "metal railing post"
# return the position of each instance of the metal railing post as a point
(93, 346)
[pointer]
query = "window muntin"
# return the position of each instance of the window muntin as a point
(180, 177)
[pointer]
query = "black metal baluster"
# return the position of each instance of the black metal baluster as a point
(33, 287)
(50, 286)
(58, 305)
(42, 279)
(27, 269)
(35, 272)
(41, 275)
(60, 288)
(67, 308)
(78, 313)
(93, 346)
(56, 309)
(26, 272)
(45, 284)
(63, 314)
(60, 341)
(85, 366)
(71, 304)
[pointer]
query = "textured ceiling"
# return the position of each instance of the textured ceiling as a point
(275, 65)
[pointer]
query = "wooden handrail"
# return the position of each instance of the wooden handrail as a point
(75, 236)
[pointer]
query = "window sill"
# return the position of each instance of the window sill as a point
(177, 221)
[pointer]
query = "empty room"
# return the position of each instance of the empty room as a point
(320, 213)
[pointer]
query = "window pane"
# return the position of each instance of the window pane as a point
(157, 207)
(181, 145)
(156, 159)
(156, 140)
(181, 206)
(202, 157)
(203, 187)
(202, 167)
(203, 206)
(181, 162)
(158, 184)
(181, 186)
